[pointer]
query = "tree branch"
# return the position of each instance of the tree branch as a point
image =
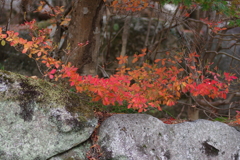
(229, 55)
(204, 102)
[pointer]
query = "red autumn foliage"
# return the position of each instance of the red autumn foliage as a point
(160, 83)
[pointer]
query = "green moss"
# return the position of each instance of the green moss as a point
(4, 77)
(33, 91)
(44, 24)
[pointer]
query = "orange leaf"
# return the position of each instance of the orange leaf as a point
(114, 3)
(122, 59)
(170, 102)
(134, 60)
(163, 62)
(192, 67)
(142, 55)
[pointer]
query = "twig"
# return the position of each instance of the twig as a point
(10, 16)
(38, 67)
(178, 116)
(238, 59)
(229, 113)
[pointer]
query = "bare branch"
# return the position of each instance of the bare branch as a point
(10, 16)
(204, 102)
(229, 55)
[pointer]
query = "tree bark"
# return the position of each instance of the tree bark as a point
(85, 26)
(193, 112)
(125, 34)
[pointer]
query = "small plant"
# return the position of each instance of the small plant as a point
(1, 67)
(221, 119)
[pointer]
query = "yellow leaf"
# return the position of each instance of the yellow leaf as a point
(178, 88)
(3, 43)
(184, 84)
(39, 8)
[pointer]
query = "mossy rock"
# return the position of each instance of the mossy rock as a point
(41, 119)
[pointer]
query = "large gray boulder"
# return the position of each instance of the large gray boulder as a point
(143, 137)
(39, 120)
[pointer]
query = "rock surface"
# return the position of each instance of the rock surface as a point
(77, 153)
(142, 137)
(39, 120)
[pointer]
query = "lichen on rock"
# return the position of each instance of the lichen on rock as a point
(39, 119)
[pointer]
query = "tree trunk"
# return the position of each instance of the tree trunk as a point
(193, 112)
(85, 26)
(125, 34)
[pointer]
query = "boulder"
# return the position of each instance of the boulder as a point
(77, 153)
(39, 120)
(143, 137)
